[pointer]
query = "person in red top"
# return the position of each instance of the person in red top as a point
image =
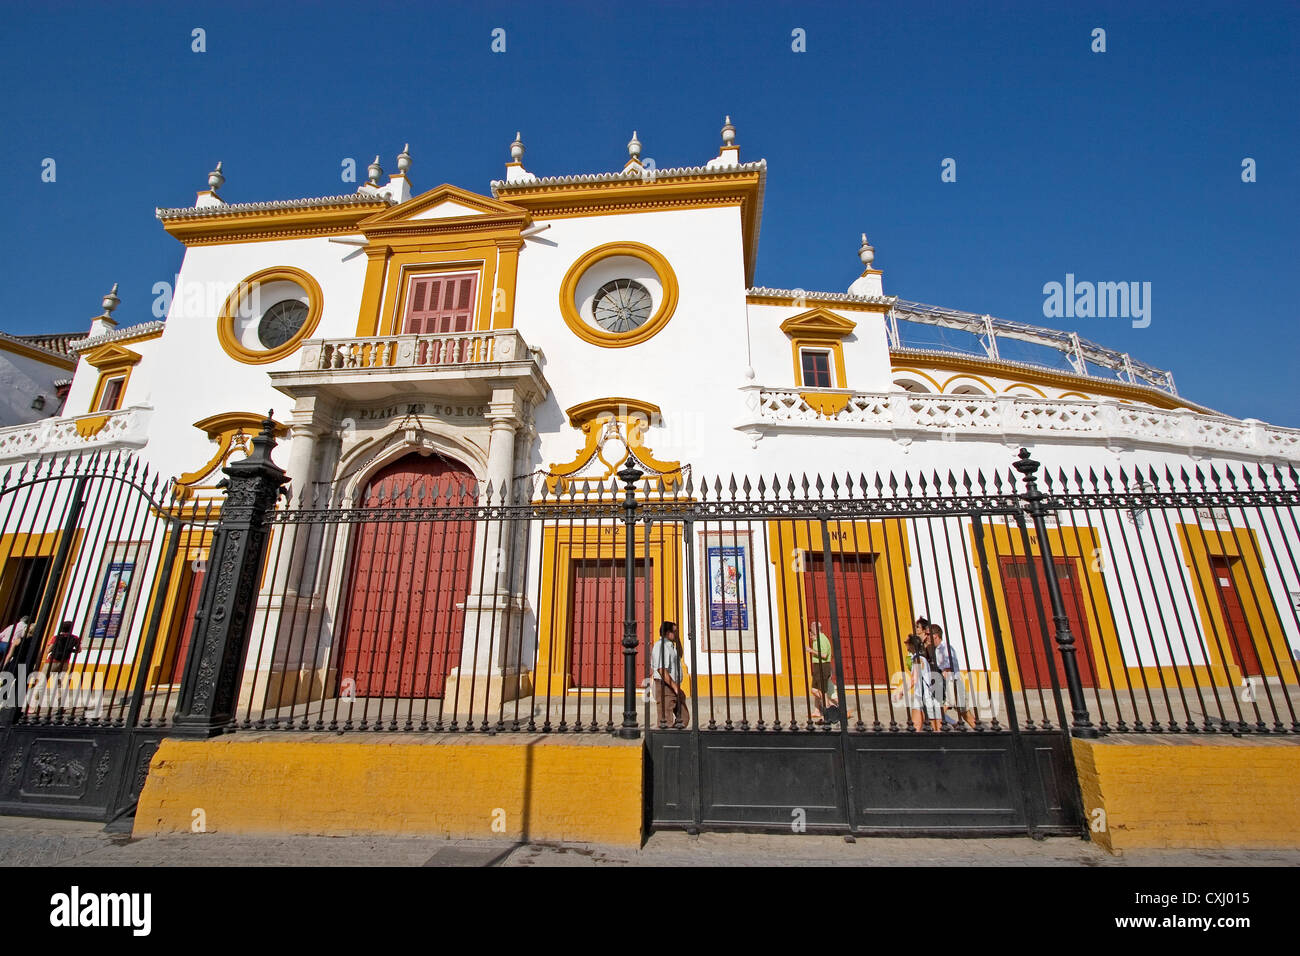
(64, 646)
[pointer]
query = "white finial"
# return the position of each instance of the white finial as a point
(111, 301)
(375, 171)
(634, 147)
(517, 148)
(728, 133)
(215, 178)
(403, 160)
(866, 253)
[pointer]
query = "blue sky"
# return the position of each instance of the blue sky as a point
(1115, 166)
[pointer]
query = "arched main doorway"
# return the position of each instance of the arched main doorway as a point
(407, 580)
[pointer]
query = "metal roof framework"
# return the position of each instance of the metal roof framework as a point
(1079, 351)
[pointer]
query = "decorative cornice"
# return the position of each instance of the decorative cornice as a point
(803, 295)
(236, 209)
(632, 175)
(132, 333)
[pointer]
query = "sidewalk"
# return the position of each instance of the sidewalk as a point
(34, 842)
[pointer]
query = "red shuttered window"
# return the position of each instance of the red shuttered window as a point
(440, 303)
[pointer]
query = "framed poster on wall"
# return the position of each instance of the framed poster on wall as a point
(120, 571)
(727, 592)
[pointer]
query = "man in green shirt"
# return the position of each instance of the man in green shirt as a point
(822, 673)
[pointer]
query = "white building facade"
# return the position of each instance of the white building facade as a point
(527, 339)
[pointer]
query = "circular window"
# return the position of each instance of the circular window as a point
(618, 294)
(281, 322)
(269, 314)
(621, 305)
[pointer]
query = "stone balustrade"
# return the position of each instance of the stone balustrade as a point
(414, 351)
(123, 428)
(1014, 418)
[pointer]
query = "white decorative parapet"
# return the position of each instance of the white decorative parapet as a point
(415, 351)
(1106, 422)
(125, 428)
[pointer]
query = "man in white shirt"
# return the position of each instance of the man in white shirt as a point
(953, 691)
(11, 637)
(666, 668)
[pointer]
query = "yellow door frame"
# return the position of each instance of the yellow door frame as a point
(561, 547)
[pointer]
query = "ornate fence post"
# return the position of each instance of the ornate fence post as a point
(210, 687)
(1036, 504)
(629, 474)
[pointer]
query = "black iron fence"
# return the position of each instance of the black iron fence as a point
(101, 565)
(1115, 603)
(1014, 608)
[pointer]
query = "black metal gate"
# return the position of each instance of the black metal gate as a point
(880, 763)
(100, 562)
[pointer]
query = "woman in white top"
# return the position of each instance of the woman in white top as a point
(920, 696)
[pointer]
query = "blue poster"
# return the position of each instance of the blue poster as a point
(728, 589)
(111, 606)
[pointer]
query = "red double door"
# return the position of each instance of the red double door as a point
(1021, 577)
(407, 583)
(597, 616)
(857, 608)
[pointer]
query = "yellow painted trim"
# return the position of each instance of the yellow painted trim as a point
(561, 546)
(827, 404)
(195, 545)
(938, 389)
(1033, 388)
(590, 418)
(510, 788)
(1198, 546)
(223, 429)
(26, 351)
(742, 189)
(25, 544)
(589, 333)
(112, 362)
(1189, 791)
(264, 225)
(822, 330)
(952, 362)
(819, 345)
(406, 267)
(971, 378)
(226, 319)
(1086, 398)
(91, 425)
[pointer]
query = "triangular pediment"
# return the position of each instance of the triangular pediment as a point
(445, 202)
(821, 322)
(110, 356)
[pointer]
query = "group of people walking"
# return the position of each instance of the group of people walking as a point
(934, 683)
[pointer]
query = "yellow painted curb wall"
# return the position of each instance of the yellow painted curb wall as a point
(508, 787)
(1191, 792)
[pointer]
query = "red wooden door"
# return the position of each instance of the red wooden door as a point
(1238, 640)
(596, 618)
(1019, 578)
(858, 610)
(187, 626)
(408, 581)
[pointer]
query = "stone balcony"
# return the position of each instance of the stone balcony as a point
(908, 416)
(458, 365)
(125, 428)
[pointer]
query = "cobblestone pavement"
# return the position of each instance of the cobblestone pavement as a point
(33, 842)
